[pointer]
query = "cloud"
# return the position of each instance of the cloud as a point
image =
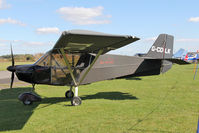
(150, 39)
(9, 41)
(23, 46)
(3, 41)
(188, 40)
(11, 21)
(3, 4)
(2, 44)
(194, 19)
(25, 43)
(84, 16)
(48, 30)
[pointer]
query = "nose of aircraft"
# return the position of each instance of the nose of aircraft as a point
(11, 68)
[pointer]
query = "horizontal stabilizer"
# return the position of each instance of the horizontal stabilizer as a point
(178, 61)
(173, 60)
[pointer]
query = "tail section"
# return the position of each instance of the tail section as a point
(159, 58)
(162, 48)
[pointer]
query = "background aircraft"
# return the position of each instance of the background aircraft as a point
(192, 57)
(79, 58)
(180, 54)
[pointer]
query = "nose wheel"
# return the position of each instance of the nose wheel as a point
(28, 98)
(27, 102)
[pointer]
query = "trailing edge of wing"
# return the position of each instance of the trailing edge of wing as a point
(91, 42)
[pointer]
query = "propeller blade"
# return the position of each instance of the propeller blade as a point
(12, 79)
(13, 65)
(13, 62)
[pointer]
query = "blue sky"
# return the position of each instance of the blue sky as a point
(33, 26)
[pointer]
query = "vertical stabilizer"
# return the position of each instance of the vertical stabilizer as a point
(162, 48)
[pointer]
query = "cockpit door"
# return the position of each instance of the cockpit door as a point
(59, 72)
(42, 73)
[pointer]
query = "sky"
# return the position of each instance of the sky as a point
(34, 26)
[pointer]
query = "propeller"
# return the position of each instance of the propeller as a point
(12, 68)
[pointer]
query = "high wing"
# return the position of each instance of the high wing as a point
(83, 41)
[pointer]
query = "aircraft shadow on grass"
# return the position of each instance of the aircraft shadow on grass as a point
(151, 131)
(14, 115)
(133, 78)
(130, 77)
(109, 95)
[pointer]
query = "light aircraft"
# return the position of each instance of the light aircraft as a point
(180, 54)
(192, 57)
(79, 57)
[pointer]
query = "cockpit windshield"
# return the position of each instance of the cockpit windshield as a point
(58, 69)
(44, 60)
(56, 60)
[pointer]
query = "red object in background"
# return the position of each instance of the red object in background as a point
(186, 57)
(106, 62)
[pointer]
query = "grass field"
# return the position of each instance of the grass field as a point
(4, 65)
(167, 103)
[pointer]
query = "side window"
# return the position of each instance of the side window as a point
(58, 60)
(44, 60)
(59, 71)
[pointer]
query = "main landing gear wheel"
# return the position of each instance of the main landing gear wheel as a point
(69, 94)
(28, 98)
(76, 101)
(27, 101)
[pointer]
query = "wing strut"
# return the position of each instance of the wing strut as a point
(70, 69)
(77, 100)
(91, 65)
(68, 65)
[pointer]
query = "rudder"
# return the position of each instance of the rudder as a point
(162, 47)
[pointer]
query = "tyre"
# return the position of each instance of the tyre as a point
(69, 94)
(27, 102)
(76, 101)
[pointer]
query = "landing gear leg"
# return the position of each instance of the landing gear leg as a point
(33, 87)
(76, 100)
